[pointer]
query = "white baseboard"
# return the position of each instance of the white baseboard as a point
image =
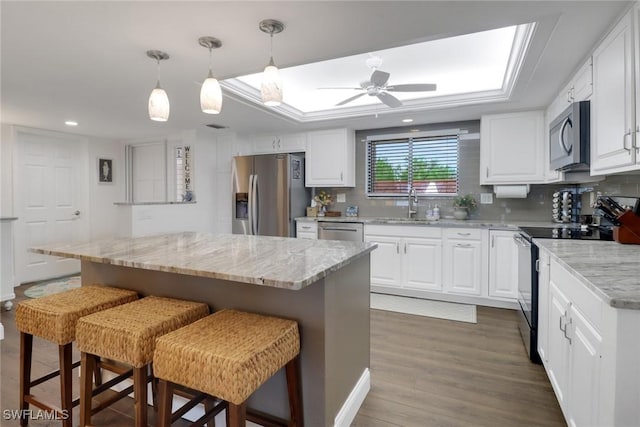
(348, 412)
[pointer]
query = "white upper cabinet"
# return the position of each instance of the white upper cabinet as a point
(512, 148)
(285, 143)
(613, 125)
(331, 158)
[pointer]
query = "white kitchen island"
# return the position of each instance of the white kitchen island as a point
(324, 285)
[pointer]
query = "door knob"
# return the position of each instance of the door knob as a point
(77, 213)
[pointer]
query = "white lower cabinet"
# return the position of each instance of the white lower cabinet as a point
(407, 257)
(589, 350)
(432, 262)
(465, 261)
(503, 265)
(307, 230)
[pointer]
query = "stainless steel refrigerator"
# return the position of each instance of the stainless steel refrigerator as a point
(268, 193)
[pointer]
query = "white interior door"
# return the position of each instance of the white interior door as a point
(51, 194)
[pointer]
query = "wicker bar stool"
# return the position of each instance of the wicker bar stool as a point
(229, 355)
(127, 334)
(54, 318)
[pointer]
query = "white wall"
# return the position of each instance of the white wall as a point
(102, 211)
(6, 171)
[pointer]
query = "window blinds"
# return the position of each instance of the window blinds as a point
(428, 164)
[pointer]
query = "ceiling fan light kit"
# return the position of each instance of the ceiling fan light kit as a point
(158, 100)
(271, 88)
(210, 92)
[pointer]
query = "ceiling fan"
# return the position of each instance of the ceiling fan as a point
(377, 86)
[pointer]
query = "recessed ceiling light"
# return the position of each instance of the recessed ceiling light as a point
(71, 123)
(407, 120)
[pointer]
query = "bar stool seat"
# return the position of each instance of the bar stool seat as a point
(229, 354)
(54, 318)
(128, 334)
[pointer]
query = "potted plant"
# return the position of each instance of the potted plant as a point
(463, 206)
(323, 199)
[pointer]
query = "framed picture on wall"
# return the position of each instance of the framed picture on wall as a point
(105, 171)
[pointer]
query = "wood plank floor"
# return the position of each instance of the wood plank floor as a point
(425, 372)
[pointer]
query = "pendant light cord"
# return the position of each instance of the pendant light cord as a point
(158, 73)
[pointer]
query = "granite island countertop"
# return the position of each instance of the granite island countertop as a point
(269, 261)
(610, 269)
(494, 224)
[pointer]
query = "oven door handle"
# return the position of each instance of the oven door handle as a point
(521, 241)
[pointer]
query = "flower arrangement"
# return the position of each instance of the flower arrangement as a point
(323, 199)
(468, 202)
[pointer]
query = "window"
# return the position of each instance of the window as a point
(428, 163)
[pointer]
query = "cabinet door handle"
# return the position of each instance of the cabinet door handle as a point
(567, 330)
(493, 241)
(624, 141)
(464, 245)
(538, 265)
(405, 247)
(306, 227)
(341, 176)
(279, 143)
(487, 173)
(397, 247)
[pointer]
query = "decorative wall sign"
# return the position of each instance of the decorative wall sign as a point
(105, 171)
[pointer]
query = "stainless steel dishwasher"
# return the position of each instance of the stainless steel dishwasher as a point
(351, 231)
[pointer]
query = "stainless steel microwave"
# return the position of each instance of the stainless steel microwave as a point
(569, 138)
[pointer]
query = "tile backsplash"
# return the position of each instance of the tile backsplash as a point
(536, 207)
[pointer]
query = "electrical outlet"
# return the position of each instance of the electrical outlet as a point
(486, 198)
(342, 198)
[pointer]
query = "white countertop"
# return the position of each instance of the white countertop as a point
(270, 261)
(610, 269)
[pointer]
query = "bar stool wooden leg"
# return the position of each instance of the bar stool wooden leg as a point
(26, 351)
(66, 390)
(294, 388)
(140, 380)
(237, 415)
(209, 404)
(87, 366)
(165, 397)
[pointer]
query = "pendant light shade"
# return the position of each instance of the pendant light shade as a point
(271, 89)
(158, 100)
(159, 104)
(210, 92)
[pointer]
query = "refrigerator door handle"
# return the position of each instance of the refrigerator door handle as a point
(250, 206)
(255, 207)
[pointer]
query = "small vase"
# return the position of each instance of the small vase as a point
(322, 210)
(460, 213)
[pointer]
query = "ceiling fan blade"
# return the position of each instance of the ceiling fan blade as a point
(390, 100)
(412, 88)
(351, 88)
(346, 101)
(379, 78)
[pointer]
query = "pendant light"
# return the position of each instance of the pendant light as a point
(271, 89)
(210, 93)
(158, 100)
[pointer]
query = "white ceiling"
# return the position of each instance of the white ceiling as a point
(85, 60)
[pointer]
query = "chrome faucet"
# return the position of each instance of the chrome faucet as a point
(413, 203)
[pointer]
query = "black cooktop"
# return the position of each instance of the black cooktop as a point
(570, 232)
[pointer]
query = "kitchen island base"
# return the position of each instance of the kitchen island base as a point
(332, 314)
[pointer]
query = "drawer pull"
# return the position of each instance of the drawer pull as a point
(464, 234)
